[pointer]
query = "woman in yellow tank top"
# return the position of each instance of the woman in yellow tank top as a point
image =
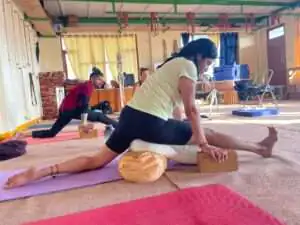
(147, 117)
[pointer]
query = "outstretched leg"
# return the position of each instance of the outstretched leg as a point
(75, 165)
(59, 124)
(263, 148)
(99, 117)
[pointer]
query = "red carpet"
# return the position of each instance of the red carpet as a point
(63, 136)
(208, 205)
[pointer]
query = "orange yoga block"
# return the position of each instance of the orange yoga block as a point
(206, 164)
(92, 133)
(230, 97)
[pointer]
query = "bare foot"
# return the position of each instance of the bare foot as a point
(21, 178)
(19, 136)
(268, 143)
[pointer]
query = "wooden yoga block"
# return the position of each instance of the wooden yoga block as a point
(93, 133)
(206, 164)
(230, 97)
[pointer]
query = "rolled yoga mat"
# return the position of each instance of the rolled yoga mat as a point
(48, 185)
(211, 204)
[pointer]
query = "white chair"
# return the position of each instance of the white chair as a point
(268, 89)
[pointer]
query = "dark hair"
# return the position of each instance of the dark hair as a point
(203, 46)
(143, 69)
(96, 72)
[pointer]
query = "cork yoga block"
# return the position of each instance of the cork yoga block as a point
(89, 125)
(230, 97)
(206, 164)
(92, 133)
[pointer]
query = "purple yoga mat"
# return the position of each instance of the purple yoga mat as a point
(63, 182)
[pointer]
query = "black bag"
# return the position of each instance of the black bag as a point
(105, 107)
(12, 149)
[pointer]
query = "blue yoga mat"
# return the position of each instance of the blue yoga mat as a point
(256, 112)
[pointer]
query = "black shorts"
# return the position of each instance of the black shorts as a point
(135, 124)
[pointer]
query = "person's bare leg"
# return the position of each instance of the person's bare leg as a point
(79, 164)
(263, 148)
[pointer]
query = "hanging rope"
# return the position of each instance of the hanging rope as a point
(23, 42)
(223, 22)
(32, 90)
(122, 21)
(6, 32)
(274, 20)
(154, 23)
(26, 43)
(14, 39)
(190, 22)
(250, 22)
(121, 79)
(31, 58)
(32, 87)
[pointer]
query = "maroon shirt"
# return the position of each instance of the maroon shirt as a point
(78, 97)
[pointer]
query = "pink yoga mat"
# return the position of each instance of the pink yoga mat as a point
(62, 183)
(208, 205)
(63, 136)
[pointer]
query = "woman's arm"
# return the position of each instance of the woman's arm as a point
(187, 88)
(79, 164)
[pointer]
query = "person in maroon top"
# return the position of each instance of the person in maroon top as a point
(76, 106)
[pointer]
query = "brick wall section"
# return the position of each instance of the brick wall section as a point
(48, 83)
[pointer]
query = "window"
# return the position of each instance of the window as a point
(276, 32)
(108, 48)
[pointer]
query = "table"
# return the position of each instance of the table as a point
(113, 96)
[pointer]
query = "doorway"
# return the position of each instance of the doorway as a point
(277, 55)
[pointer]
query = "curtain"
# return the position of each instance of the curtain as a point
(228, 48)
(112, 49)
(98, 53)
(185, 38)
(84, 57)
(71, 45)
(84, 52)
(101, 51)
(129, 54)
(17, 60)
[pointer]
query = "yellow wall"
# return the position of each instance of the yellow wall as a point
(150, 47)
(253, 51)
(50, 55)
(253, 48)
